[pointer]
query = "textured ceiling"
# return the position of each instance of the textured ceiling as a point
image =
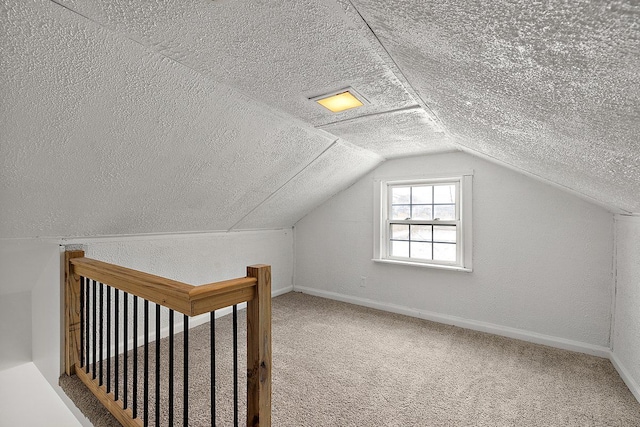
(393, 134)
(342, 163)
(279, 52)
(127, 117)
(550, 87)
(101, 136)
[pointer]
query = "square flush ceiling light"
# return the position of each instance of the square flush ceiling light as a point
(343, 100)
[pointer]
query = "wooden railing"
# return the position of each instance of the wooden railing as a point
(254, 289)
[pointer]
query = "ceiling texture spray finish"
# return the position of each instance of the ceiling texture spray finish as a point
(100, 137)
(279, 52)
(394, 134)
(550, 87)
(342, 163)
(128, 117)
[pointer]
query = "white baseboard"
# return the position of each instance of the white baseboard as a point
(520, 334)
(282, 291)
(491, 328)
(626, 377)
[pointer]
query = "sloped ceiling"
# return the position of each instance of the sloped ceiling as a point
(128, 117)
(550, 87)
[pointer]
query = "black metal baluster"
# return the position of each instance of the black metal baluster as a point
(135, 357)
(81, 321)
(95, 310)
(87, 336)
(125, 378)
(170, 367)
(185, 410)
(108, 339)
(235, 365)
(146, 364)
(157, 364)
(101, 327)
(116, 341)
(212, 324)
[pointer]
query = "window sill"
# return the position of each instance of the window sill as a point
(423, 265)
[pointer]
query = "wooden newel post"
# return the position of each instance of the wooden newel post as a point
(72, 313)
(259, 349)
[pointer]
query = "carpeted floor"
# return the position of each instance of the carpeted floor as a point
(336, 364)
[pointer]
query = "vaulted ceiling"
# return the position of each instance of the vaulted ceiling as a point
(129, 116)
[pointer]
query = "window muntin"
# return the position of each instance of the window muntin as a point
(423, 222)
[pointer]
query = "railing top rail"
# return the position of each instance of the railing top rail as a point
(185, 298)
(203, 291)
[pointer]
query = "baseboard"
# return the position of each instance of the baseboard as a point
(626, 377)
(282, 291)
(491, 328)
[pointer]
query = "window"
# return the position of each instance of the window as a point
(425, 222)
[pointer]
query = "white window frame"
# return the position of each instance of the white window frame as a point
(464, 244)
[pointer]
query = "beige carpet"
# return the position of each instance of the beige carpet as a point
(337, 364)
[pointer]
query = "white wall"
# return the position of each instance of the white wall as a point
(542, 258)
(15, 329)
(29, 271)
(626, 329)
(31, 331)
(47, 332)
(201, 258)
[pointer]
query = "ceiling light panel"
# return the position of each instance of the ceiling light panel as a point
(342, 100)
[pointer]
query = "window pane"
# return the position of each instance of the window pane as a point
(401, 212)
(400, 249)
(444, 212)
(400, 195)
(444, 252)
(420, 250)
(400, 231)
(421, 195)
(444, 233)
(421, 233)
(444, 194)
(422, 212)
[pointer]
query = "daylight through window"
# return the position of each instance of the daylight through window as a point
(423, 221)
